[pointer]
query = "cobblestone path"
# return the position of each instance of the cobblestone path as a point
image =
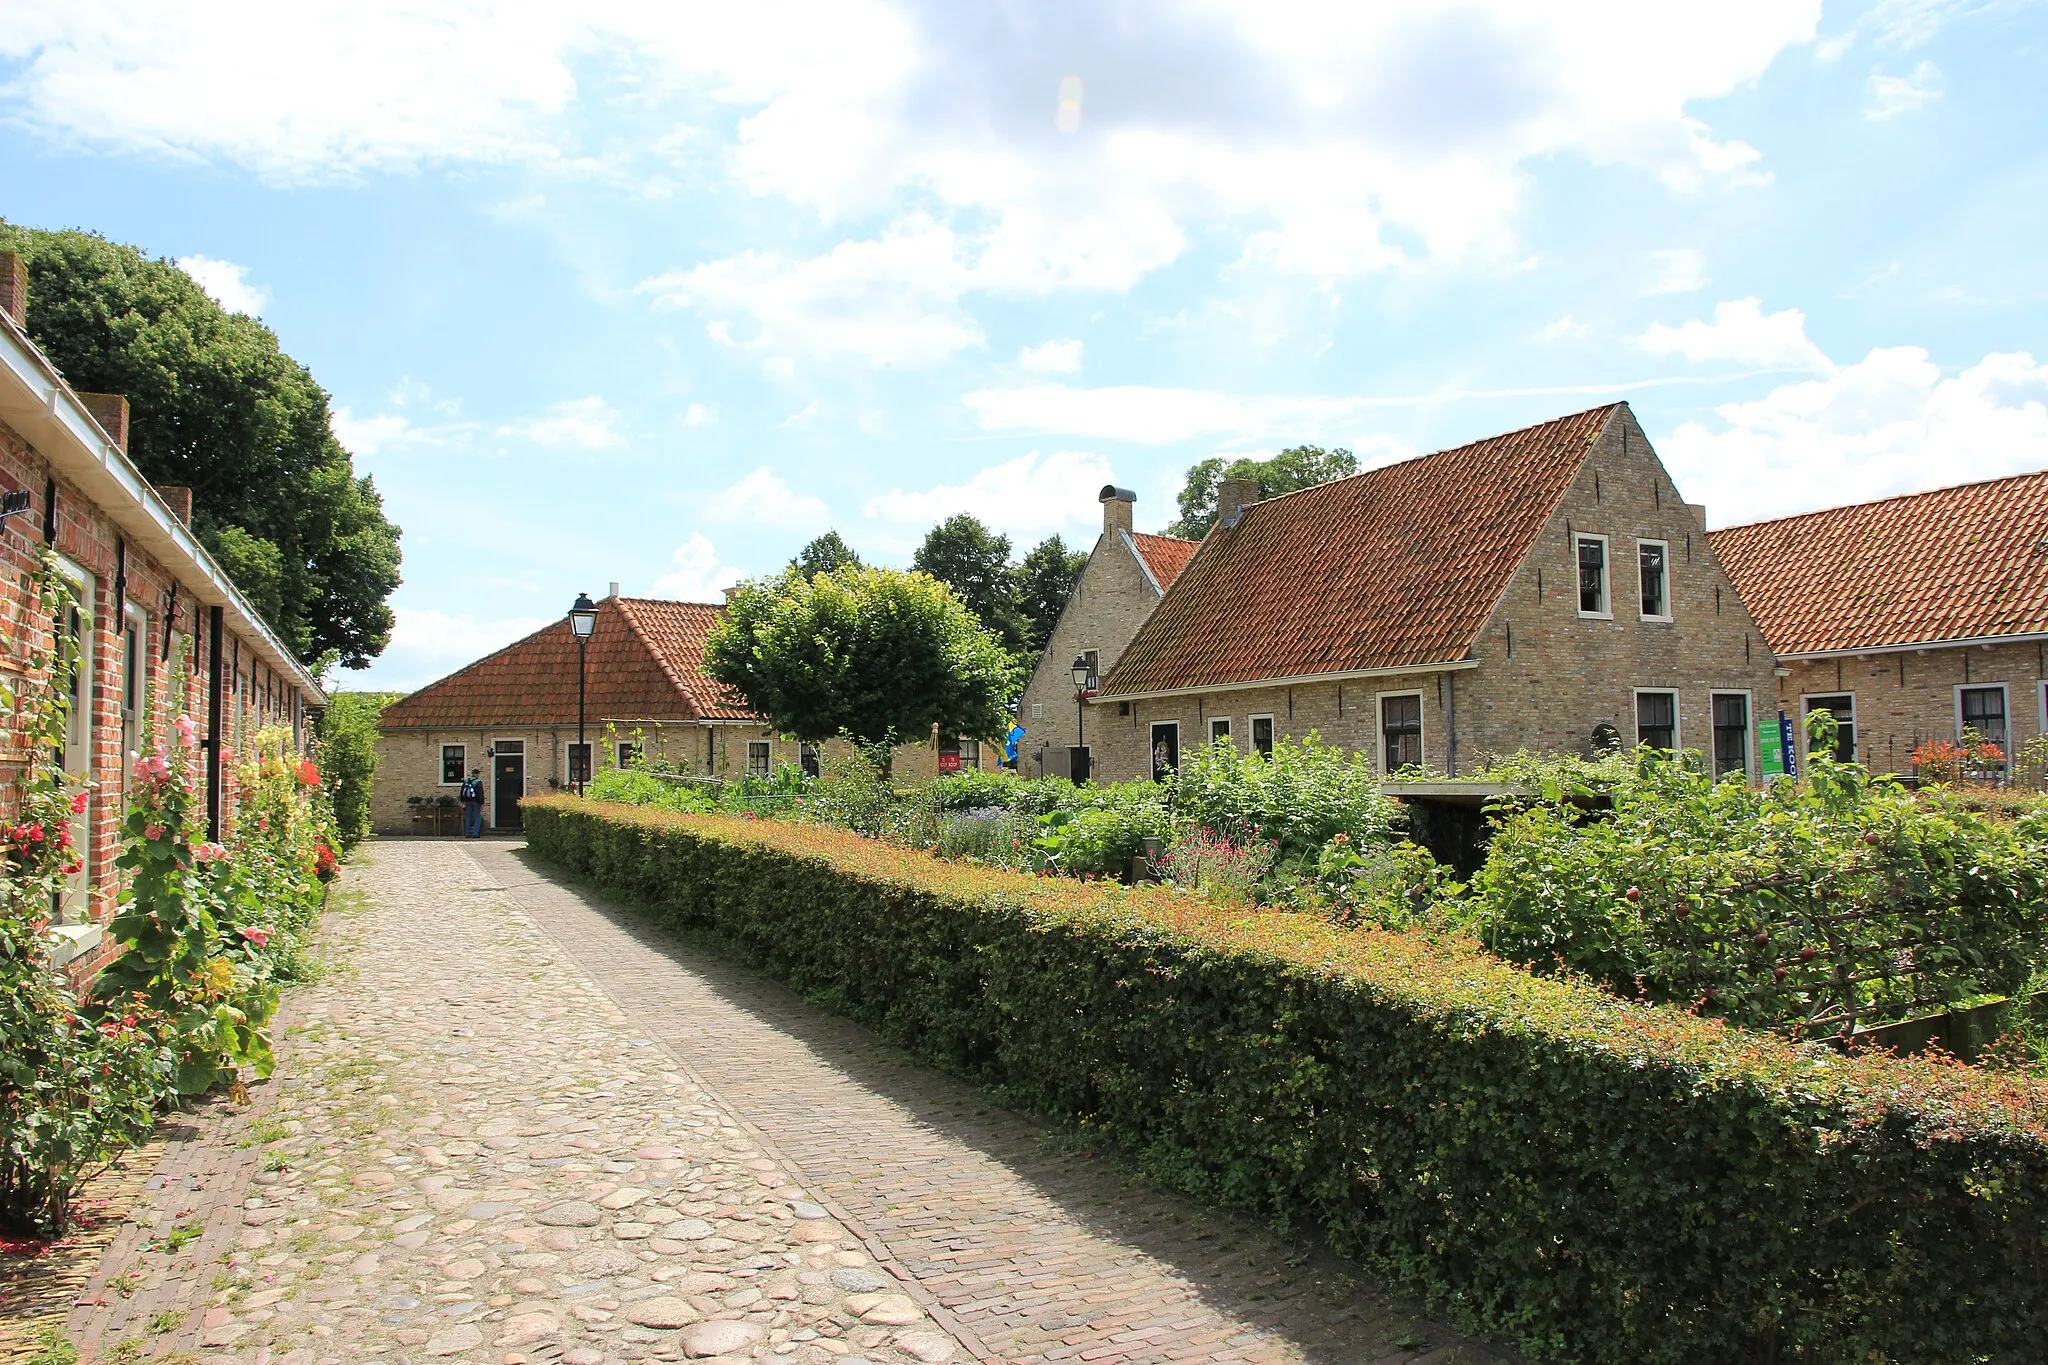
(514, 1126)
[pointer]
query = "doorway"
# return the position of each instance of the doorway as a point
(1165, 749)
(508, 783)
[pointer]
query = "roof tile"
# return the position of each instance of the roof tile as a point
(1165, 556)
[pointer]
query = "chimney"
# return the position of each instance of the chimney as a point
(14, 288)
(1699, 513)
(179, 500)
(1232, 497)
(1116, 507)
(615, 589)
(110, 410)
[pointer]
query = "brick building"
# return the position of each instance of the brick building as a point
(512, 714)
(1529, 591)
(1126, 576)
(156, 611)
(1909, 617)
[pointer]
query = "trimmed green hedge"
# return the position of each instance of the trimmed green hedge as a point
(1597, 1180)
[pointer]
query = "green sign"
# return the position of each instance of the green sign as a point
(1771, 739)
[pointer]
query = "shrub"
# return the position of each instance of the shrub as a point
(347, 749)
(1296, 799)
(1225, 869)
(1604, 1181)
(972, 790)
(639, 786)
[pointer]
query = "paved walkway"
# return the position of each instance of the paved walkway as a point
(518, 1126)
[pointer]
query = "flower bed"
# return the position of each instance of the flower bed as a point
(1596, 1179)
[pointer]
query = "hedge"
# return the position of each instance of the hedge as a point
(1594, 1179)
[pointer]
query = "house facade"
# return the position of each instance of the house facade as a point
(1909, 618)
(1126, 576)
(161, 630)
(1545, 590)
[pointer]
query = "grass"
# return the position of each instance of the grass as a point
(177, 1239)
(52, 1348)
(261, 1132)
(170, 1320)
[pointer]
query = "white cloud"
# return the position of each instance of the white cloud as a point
(393, 431)
(1147, 415)
(1027, 498)
(1562, 328)
(698, 415)
(1061, 356)
(1891, 96)
(226, 282)
(695, 575)
(763, 498)
(1890, 423)
(1743, 333)
(891, 300)
(1680, 270)
(576, 424)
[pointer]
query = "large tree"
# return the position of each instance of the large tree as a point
(823, 555)
(875, 654)
(215, 405)
(1045, 580)
(1293, 469)
(975, 563)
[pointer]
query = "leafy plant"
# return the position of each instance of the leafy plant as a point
(1228, 870)
(1297, 799)
(348, 750)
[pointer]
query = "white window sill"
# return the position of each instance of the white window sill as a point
(1596, 616)
(1657, 620)
(73, 941)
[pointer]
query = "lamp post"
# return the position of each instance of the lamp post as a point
(582, 622)
(1077, 762)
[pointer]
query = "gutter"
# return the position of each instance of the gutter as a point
(37, 401)
(1350, 675)
(1919, 647)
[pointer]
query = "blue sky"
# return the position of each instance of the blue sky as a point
(654, 292)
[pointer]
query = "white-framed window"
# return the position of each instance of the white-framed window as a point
(1260, 730)
(1400, 730)
(134, 683)
(1038, 710)
(1592, 557)
(1982, 707)
(956, 754)
(627, 753)
(577, 763)
(807, 758)
(454, 764)
(1840, 705)
(1653, 578)
(1165, 749)
(1657, 718)
(1731, 733)
(1219, 728)
(758, 755)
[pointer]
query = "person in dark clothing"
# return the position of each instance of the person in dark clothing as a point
(473, 805)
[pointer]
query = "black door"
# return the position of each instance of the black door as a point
(1165, 749)
(508, 772)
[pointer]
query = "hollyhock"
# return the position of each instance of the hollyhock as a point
(309, 773)
(152, 832)
(185, 735)
(209, 852)
(259, 937)
(78, 804)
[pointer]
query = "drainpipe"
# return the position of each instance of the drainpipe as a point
(213, 704)
(1451, 723)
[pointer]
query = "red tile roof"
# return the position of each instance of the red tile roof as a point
(1964, 563)
(1165, 556)
(1396, 567)
(645, 663)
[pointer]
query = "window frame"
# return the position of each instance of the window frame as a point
(1664, 550)
(1806, 700)
(1152, 746)
(1677, 716)
(1251, 733)
(73, 899)
(1579, 540)
(1223, 733)
(569, 748)
(2004, 742)
(767, 748)
(1749, 754)
(134, 696)
(461, 764)
(1379, 714)
(624, 751)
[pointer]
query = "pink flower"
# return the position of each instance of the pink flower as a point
(185, 727)
(78, 804)
(152, 832)
(209, 853)
(259, 937)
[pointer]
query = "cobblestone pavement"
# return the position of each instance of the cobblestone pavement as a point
(515, 1126)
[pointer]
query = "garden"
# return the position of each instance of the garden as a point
(1613, 1095)
(209, 932)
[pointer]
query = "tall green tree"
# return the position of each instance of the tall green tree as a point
(215, 405)
(1293, 469)
(975, 563)
(823, 555)
(875, 654)
(348, 753)
(1045, 580)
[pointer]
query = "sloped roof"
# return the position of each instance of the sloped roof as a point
(1396, 567)
(1165, 556)
(1962, 563)
(645, 663)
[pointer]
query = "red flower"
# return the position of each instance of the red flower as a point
(309, 772)
(78, 804)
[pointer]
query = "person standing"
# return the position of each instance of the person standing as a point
(473, 805)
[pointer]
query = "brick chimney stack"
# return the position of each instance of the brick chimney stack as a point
(14, 288)
(1232, 497)
(110, 410)
(179, 499)
(1116, 508)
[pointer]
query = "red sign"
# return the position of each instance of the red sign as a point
(949, 763)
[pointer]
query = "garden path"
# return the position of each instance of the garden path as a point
(517, 1125)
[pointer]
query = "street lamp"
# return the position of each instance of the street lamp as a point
(582, 622)
(1078, 760)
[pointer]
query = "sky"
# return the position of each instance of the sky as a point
(654, 291)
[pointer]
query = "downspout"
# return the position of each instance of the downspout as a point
(213, 704)
(1451, 723)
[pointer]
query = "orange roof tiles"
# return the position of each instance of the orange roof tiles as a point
(645, 663)
(1395, 567)
(1165, 556)
(1963, 563)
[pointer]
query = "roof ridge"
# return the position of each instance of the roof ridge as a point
(483, 659)
(1879, 502)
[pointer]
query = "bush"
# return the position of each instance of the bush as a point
(637, 786)
(348, 751)
(1603, 1181)
(1296, 799)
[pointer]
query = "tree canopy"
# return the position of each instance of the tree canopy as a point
(1045, 580)
(1293, 469)
(823, 555)
(975, 563)
(876, 654)
(215, 405)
